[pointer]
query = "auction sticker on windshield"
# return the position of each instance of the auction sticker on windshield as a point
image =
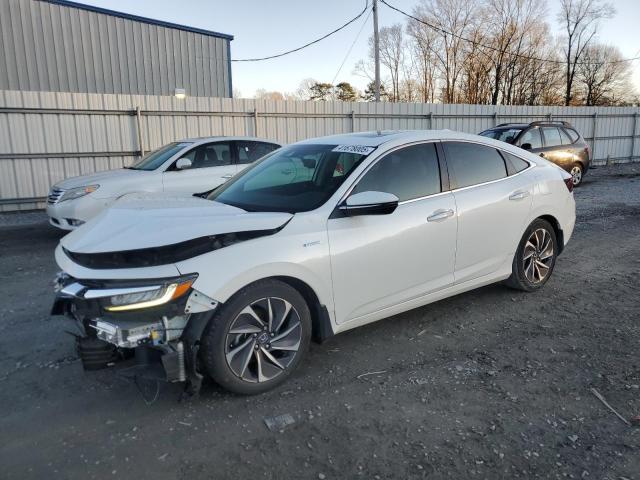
(361, 149)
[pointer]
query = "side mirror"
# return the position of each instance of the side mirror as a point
(369, 203)
(183, 163)
(525, 146)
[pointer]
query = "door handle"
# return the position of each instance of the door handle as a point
(542, 154)
(440, 215)
(519, 195)
(227, 176)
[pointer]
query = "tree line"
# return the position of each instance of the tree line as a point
(497, 52)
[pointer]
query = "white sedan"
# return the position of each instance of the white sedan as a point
(189, 166)
(317, 238)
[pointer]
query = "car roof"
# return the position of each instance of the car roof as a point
(539, 123)
(505, 126)
(377, 138)
(390, 139)
(226, 138)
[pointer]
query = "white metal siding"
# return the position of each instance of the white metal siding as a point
(92, 132)
(50, 47)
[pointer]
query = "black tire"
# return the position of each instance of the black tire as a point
(218, 343)
(577, 173)
(520, 278)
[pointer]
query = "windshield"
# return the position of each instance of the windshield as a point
(157, 158)
(503, 134)
(297, 178)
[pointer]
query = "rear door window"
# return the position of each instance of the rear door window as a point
(532, 137)
(249, 152)
(551, 136)
(471, 164)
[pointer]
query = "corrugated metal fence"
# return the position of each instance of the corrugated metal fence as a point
(48, 136)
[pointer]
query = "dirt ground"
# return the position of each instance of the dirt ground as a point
(490, 384)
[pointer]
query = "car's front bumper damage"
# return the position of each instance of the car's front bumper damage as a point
(159, 322)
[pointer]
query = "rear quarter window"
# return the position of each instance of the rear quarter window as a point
(572, 134)
(514, 164)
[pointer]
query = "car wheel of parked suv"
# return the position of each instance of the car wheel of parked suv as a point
(535, 257)
(576, 174)
(257, 338)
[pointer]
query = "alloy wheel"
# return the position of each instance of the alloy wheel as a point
(538, 256)
(263, 340)
(576, 174)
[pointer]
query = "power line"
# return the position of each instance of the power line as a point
(351, 47)
(478, 44)
(307, 44)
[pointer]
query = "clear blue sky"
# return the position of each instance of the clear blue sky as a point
(263, 27)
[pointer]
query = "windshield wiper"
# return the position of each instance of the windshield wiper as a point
(131, 168)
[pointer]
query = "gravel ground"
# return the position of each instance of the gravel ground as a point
(490, 384)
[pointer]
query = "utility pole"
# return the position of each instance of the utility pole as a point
(376, 48)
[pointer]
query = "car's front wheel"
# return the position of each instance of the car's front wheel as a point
(535, 257)
(257, 338)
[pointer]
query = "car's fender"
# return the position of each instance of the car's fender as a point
(134, 181)
(552, 198)
(296, 251)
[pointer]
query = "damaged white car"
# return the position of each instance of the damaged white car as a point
(316, 238)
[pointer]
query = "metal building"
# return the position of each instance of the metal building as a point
(63, 46)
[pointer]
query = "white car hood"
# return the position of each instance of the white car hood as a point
(144, 220)
(100, 177)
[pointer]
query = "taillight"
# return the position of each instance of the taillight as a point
(569, 183)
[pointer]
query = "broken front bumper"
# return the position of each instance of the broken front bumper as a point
(164, 316)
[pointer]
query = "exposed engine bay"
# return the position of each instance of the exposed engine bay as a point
(152, 326)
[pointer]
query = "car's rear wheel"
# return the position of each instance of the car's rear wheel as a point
(535, 257)
(257, 338)
(576, 174)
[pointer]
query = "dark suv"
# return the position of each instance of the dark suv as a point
(557, 142)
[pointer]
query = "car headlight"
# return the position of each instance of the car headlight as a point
(78, 192)
(147, 297)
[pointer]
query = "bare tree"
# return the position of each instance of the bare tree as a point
(580, 20)
(531, 80)
(304, 90)
(421, 48)
(263, 94)
(499, 52)
(457, 18)
(475, 86)
(511, 24)
(604, 80)
(392, 55)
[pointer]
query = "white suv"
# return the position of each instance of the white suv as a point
(316, 238)
(189, 166)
